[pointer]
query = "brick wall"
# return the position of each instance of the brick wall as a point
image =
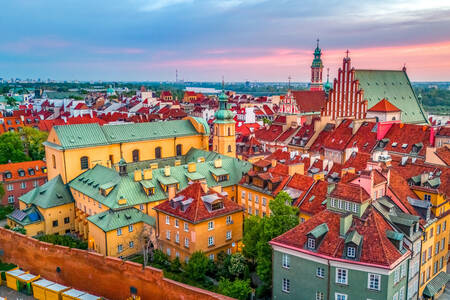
(91, 272)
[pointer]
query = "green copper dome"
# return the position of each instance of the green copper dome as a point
(317, 62)
(223, 114)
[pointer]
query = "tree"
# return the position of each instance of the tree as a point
(197, 266)
(33, 140)
(259, 231)
(175, 265)
(11, 148)
(11, 101)
(2, 191)
(237, 265)
(239, 289)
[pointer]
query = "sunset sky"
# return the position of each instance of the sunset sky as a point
(256, 40)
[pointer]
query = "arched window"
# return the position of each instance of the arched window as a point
(229, 148)
(84, 163)
(179, 152)
(54, 161)
(229, 131)
(158, 152)
(135, 155)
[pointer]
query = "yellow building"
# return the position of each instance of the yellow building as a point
(224, 139)
(72, 149)
(198, 219)
(47, 209)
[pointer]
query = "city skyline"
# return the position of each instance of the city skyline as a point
(254, 40)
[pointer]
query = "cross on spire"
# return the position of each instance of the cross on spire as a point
(318, 43)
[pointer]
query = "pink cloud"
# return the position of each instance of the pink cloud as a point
(27, 44)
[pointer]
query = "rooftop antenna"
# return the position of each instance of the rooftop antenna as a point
(223, 83)
(318, 43)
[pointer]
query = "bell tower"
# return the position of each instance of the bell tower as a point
(224, 139)
(316, 70)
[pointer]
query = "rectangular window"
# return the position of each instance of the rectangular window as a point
(438, 230)
(256, 212)
(186, 242)
(320, 272)
(333, 202)
(11, 199)
(55, 223)
(242, 196)
(401, 294)
(286, 285)
(211, 256)
(340, 205)
(319, 296)
(131, 244)
(35, 183)
(441, 262)
(66, 220)
(427, 197)
(435, 268)
(444, 226)
(286, 261)
(374, 282)
(10, 187)
(430, 250)
(168, 234)
(186, 227)
(167, 220)
(347, 206)
(311, 243)
(355, 208)
(264, 201)
(396, 275)
(23, 185)
(436, 249)
(403, 270)
(130, 228)
(210, 225)
(431, 232)
(443, 244)
(228, 235)
(168, 251)
(395, 297)
(340, 296)
(119, 231)
(250, 196)
(256, 199)
(176, 223)
(341, 276)
(119, 248)
(229, 221)
(141, 207)
(249, 210)
(177, 238)
(210, 241)
(351, 252)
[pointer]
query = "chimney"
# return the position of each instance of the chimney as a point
(205, 186)
(172, 190)
(345, 224)
(424, 177)
(192, 167)
(148, 174)
(274, 163)
(296, 169)
(218, 163)
(177, 162)
(153, 166)
(330, 188)
(167, 171)
(137, 175)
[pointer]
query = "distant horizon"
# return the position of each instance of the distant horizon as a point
(242, 40)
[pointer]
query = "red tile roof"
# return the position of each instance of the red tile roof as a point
(38, 166)
(376, 248)
(340, 137)
(301, 182)
(444, 154)
(312, 202)
(408, 134)
(350, 192)
(444, 131)
(197, 210)
(285, 135)
(384, 106)
(401, 190)
(309, 101)
(378, 178)
(365, 138)
(269, 134)
(321, 138)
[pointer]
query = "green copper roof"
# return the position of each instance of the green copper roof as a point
(354, 237)
(29, 215)
(89, 135)
(113, 219)
(223, 114)
(91, 180)
(396, 88)
(319, 230)
(436, 284)
(393, 235)
(50, 194)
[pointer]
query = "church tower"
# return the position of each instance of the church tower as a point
(224, 139)
(316, 70)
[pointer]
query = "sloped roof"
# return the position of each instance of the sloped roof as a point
(310, 101)
(396, 88)
(313, 201)
(351, 192)
(384, 106)
(50, 194)
(197, 211)
(114, 219)
(38, 166)
(29, 215)
(444, 154)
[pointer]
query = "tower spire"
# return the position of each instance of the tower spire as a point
(316, 70)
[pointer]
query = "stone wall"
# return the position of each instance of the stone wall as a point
(91, 272)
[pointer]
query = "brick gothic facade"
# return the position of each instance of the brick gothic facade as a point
(346, 99)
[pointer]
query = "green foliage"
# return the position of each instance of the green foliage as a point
(64, 240)
(11, 148)
(223, 263)
(11, 101)
(6, 266)
(239, 289)
(432, 97)
(32, 141)
(2, 191)
(197, 266)
(5, 210)
(238, 265)
(266, 121)
(160, 259)
(7, 226)
(259, 231)
(175, 265)
(20, 230)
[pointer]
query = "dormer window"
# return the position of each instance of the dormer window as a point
(21, 173)
(351, 252)
(8, 175)
(217, 206)
(311, 243)
(404, 146)
(31, 171)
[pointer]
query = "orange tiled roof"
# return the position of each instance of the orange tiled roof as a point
(384, 106)
(36, 165)
(351, 192)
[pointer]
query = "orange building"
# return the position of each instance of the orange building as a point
(198, 219)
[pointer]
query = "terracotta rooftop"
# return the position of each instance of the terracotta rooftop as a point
(309, 101)
(444, 154)
(351, 192)
(32, 169)
(313, 202)
(384, 106)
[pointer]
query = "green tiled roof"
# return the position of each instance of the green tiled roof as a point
(27, 216)
(219, 171)
(50, 194)
(88, 135)
(436, 284)
(194, 176)
(90, 181)
(113, 219)
(319, 230)
(393, 235)
(396, 88)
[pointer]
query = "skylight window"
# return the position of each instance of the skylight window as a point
(404, 146)
(394, 144)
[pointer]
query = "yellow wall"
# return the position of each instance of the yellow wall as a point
(439, 204)
(31, 230)
(110, 247)
(222, 140)
(250, 201)
(198, 234)
(58, 213)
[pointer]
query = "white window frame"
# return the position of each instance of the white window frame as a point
(186, 227)
(311, 243)
(320, 272)
(339, 296)
(228, 235)
(23, 185)
(119, 231)
(130, 228)
(177, 237)
(168, 235)
(286, 261)
(186, 242)
(167, 220)
(210, 225)
(343, 277)
(351, 252)
(355, 207)
(319, 296)
(229, 220)
(177, 225)
(10, 187)
(210, 241)
(374, 281)
(119, 248)
(11, 199)
(395, 297)
(286, 285)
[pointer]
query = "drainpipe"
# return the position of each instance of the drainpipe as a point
(106, 244)
(65, 166)
(329, 279)
(121, 154)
